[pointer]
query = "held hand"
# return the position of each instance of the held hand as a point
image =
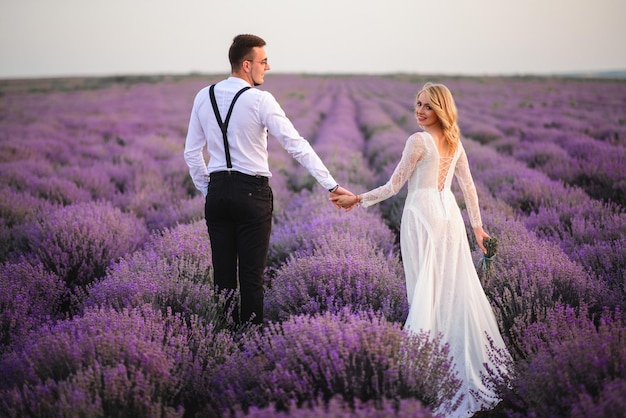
(341, 191)
(480, 236)
(345, 201)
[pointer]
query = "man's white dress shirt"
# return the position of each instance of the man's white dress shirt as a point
(255, 113)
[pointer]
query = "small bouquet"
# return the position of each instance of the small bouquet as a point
(491, 244)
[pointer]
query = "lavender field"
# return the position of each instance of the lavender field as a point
(106, 288)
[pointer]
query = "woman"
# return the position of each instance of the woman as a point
(444, 293)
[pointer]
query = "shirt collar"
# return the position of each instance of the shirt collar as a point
(239, 81)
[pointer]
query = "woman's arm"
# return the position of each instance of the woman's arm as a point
(466, 182)
(414, 150)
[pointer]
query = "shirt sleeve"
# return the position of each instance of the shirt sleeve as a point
(194, 158)
(464, 177)
(273, 116)
(414, 150)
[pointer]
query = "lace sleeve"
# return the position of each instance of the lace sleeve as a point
(464, 176)
(413, 151)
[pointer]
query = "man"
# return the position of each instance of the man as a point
(239, 200)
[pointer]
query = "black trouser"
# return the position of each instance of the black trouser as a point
(238, 212)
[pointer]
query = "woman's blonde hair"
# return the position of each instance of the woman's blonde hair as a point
(442, 102)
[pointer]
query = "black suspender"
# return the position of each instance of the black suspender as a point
(224, 125)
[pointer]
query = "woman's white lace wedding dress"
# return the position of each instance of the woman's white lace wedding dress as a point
(443, 289)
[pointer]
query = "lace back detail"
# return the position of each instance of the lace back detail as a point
(444, 167)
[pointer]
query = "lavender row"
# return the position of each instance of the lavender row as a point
(145, 363)
(589, 232)
(573, 130)
(180, 283)
(322, 259)
(522, 289)
(171, 273)
(532, 278)
(167, 288)
(119, 144)
(188, 352)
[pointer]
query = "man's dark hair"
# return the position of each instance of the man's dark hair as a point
(241, 47)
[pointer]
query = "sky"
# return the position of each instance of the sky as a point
(58, 38)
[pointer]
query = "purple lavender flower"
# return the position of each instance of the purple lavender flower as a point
(309, 218)
(571, 365)
(29, 298)
(132, 362)
(359, 356)
(337, 407)
(78, 242)
(337, 275)
(551, 185)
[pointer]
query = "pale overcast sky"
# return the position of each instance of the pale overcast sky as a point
(41, 38)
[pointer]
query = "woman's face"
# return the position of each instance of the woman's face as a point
(426, 116)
